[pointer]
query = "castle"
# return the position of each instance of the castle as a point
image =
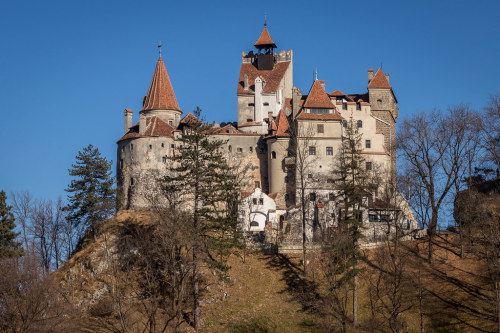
(274, 120)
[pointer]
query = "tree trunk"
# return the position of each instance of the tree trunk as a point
(355, 300)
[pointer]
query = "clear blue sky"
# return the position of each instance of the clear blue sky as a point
(69, 68)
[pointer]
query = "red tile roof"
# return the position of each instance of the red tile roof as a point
(282, 124)
(129, 135)
(245, 194)
(310, 116)
(228, 129)
(252, 123)
(337, 93)
(379, 80)
(160, 94)
(189, 118)
(128, 111)
(271, 77)
(264, 39)
(318, 98)
(157, 127)
(272, 195)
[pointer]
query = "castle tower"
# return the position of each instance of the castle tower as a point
(384, 109)
(265, 82)
(160, 100)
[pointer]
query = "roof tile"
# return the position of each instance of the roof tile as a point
(271, 77)
(264, 39)
(160, 94)
(379, 80)
(318, 98)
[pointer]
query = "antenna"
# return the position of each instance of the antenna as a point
(159, 47)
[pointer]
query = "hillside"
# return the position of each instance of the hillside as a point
(268, 293)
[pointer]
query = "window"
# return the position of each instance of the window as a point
(239, 150)
(251, 149)
(150, 146)
(344, 123)
(261, 201)
(266, 104)
(249, 120)
(329, 151)
(312, 150)
(319, 111)
(344, 106)
(162, 145)
(368, 144)
(312, 196)
(321, 128)
(254, 224)
(172, 146)
(132, 181)
(368, 166)
(254, 200)
(286, 179)
(251, 104)
(131, 146)
(273, 155)
(170, 122)
(164, 159)
(230, 148)
(373, 217)
(360, 124)
(379, 101)
(330, 196)
(358, 106)
(309, 175)
(257, 184)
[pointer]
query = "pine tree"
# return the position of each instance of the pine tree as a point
(205, 185)
(9, 247)
(353, 187)
(91, 194)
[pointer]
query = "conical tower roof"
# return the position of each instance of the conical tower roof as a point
(379, 80)
(160, 95)
(264, 40)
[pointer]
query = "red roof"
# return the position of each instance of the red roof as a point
(272, 195)
(228, 129)
(379, 80)
(328, 116)
(271, 77)
(282, 124)
(252, 123)
(189, 118)
(264, 39)
(129, 135)
(157, 127)
(128, 111)
(337, 93)
(160, 94)
(245, 194)
(318, 98)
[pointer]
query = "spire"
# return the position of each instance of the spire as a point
(160, 94)
(265, 40)
(379, 80)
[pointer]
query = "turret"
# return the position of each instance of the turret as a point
(265, 47)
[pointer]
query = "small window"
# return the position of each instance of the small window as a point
(254, 224)
(150, 146)
(239, 150)
(330, 196)
(251, 104)
(373, 217)
(249, 120)
(344, 106)
(131, 146)
(251, 149)
(312, 196)
(312, 150)
(257, 184)
(368, 165)
(309, 175)
(261, 201)
(132, 181)
(121, 163)
(360, 124)
(379, 101)
(321, 128)
(344, 123)
(273, 155)
(164, 159)
(266, 104)
(286, 179)
(230, 148)
(163, 145)
(172, 146)
(368, 144)
(170, 122)
(358, 106)
(329, 151)
(254, 201)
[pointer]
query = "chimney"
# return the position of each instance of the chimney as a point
(142, 123)
(322, 83)
(387, 76)
(245, 82)
(296, 96)
(370, 75)
(128, 119)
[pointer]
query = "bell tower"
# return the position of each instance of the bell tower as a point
(265, 46)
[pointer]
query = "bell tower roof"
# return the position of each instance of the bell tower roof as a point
(265, 41)
(160, 95)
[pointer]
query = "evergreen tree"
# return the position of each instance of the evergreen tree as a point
(352, 184)
(91, 194)
(9, 247)
(205, 185)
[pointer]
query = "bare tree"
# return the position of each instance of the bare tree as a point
(433, 147)
(21, 207)
(491, 131)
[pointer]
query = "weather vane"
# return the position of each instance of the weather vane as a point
(265, 19)
(159, 47)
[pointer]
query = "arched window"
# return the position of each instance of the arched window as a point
(254, 224)
(360, 124)
(273, 154)
(230, 148)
